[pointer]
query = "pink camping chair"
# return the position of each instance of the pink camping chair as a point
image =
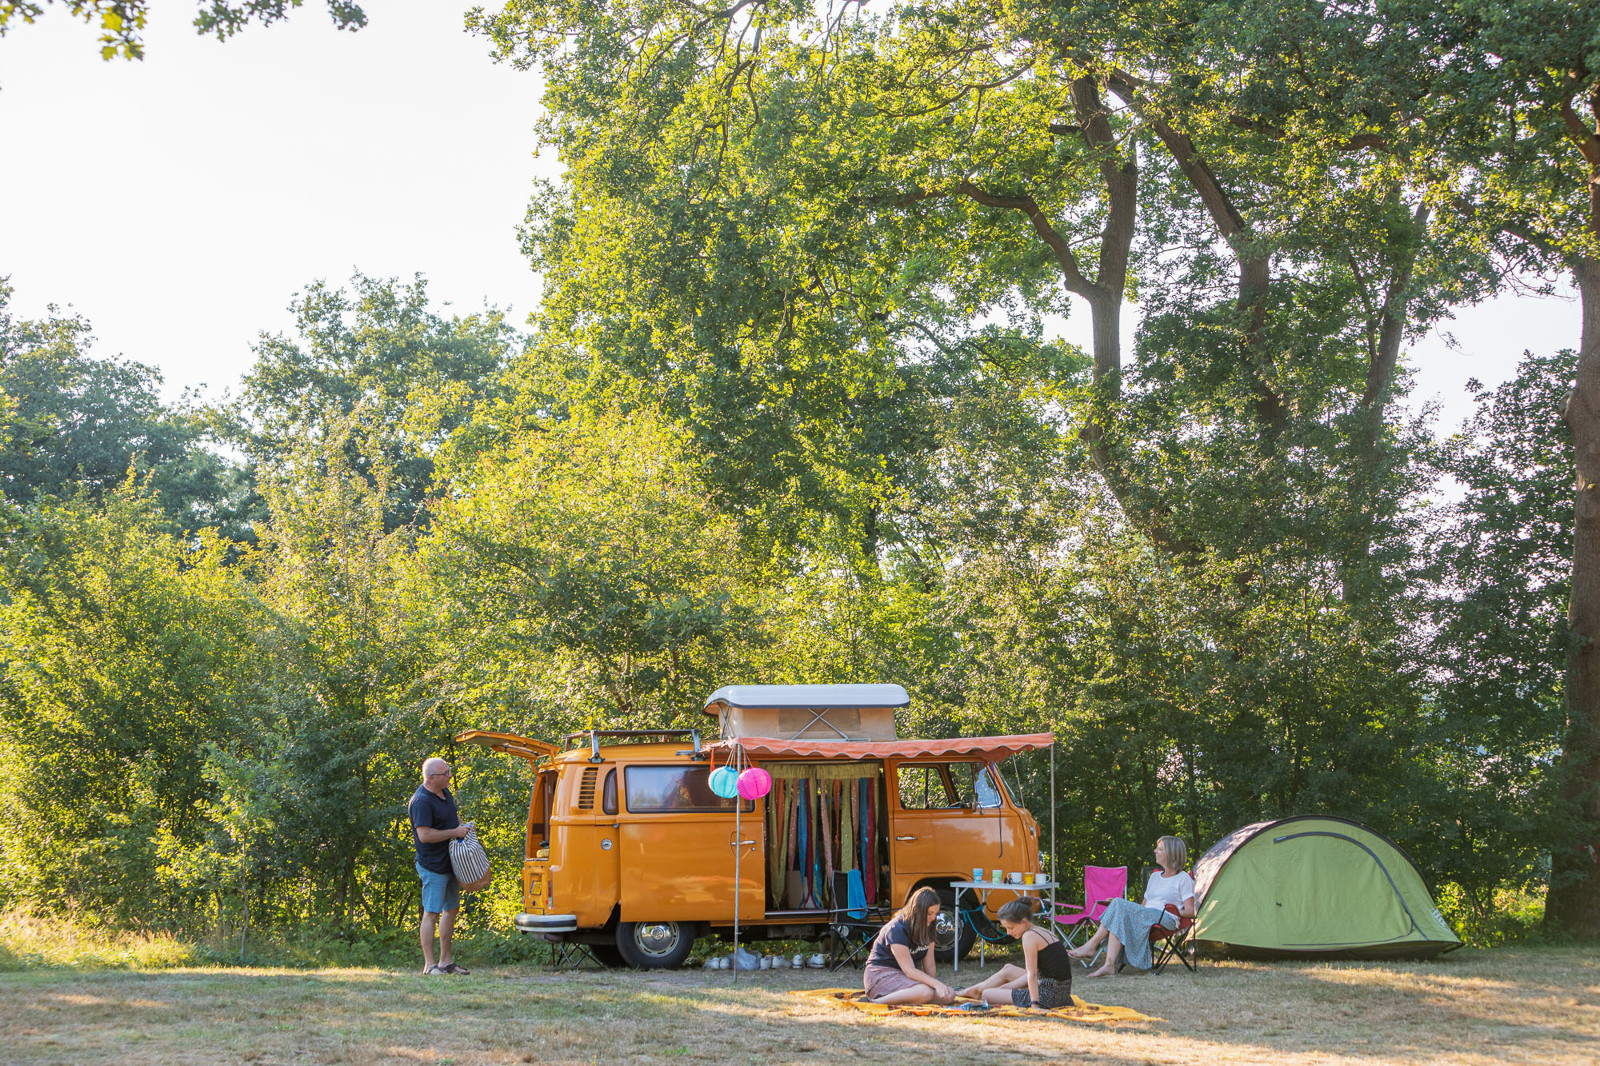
(1101, 885)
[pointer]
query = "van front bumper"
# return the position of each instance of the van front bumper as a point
(546, 923)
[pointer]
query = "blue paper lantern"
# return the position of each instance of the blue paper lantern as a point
(724, 782)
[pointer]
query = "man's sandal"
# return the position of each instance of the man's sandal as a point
(453, 968)
(433, 971)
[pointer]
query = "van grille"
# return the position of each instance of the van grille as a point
(586, 789)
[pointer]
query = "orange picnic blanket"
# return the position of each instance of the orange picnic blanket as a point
(1080, 1011)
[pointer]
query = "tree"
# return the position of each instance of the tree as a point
(589, 559)
(1505, 558)
(1523, 85)
(125, 650)
(120, 21)
(379, 350)
(779, 225)
(76, 424)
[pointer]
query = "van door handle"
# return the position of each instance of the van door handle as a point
(743, 843)
(905, 838)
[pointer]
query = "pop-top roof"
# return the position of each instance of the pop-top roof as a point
(815, 697)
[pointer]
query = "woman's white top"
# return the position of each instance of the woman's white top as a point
(1162, 890)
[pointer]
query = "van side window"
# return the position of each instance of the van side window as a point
(608, 794)
(974, 779)
(923, 788)
(673, 788)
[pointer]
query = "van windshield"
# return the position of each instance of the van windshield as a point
(673, 788)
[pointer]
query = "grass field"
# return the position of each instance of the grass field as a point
(1519, 1005)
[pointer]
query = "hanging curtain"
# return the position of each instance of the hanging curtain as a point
(818, 771)
(778, 853)
(794, 890)
(829, 812)
(869, 811)
(847, 828)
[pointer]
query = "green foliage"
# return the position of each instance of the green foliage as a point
(588, 557)
(125, 651)
(70, 424)
(378, 353)
(121, 21)
(1504, 563)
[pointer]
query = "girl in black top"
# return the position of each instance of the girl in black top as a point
(1045, 979)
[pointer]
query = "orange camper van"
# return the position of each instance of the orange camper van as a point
(631, 853)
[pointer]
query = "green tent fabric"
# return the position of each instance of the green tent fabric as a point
(1315, 887)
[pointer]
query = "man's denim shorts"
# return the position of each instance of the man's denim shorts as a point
(440, 892)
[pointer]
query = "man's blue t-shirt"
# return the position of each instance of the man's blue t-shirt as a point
(435, 812)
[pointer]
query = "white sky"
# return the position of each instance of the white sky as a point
(179, 203)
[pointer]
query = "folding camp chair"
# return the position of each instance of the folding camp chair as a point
(851, 926)
(569, 955)
(1101, 885)
(1165, 944)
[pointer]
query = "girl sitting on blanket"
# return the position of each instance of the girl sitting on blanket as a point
(900, 967)
(1125, 926)
(1045, 978)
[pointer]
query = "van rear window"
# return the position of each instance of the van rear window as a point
(673, 788)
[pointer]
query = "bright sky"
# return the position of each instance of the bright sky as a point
(179, 203)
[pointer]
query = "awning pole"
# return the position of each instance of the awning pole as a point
(1053, 876)
(738, 811)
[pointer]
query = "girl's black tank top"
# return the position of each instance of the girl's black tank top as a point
(1054, 962)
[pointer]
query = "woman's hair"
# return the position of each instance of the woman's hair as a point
(1177, 852)
(1021, 909)
(915, 912)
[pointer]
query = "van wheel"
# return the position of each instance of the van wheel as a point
(948, 926)
(655, 945)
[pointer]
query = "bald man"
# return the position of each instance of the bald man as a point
(434, 823)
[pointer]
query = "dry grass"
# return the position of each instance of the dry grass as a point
(1507, 1005)
(27, 940)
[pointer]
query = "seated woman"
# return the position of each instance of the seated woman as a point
(1125, 926)
(900, 967)
(1045, 978)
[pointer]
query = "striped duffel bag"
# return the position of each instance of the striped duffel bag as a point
(470, 862)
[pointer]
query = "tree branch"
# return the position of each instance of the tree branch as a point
(1065, 257)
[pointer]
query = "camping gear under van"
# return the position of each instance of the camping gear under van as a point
(1315, 887)
(631, 852)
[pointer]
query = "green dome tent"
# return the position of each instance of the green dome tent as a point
(1315, 887)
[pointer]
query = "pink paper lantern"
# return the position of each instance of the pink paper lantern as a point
(754, 783)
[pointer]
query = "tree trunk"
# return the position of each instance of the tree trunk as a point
(1573, 901)
(244, 933)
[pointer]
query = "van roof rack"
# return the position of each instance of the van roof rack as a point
(594, 736)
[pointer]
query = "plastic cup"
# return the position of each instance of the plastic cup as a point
(1027, 878)
(977, 873)
(994, 875)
